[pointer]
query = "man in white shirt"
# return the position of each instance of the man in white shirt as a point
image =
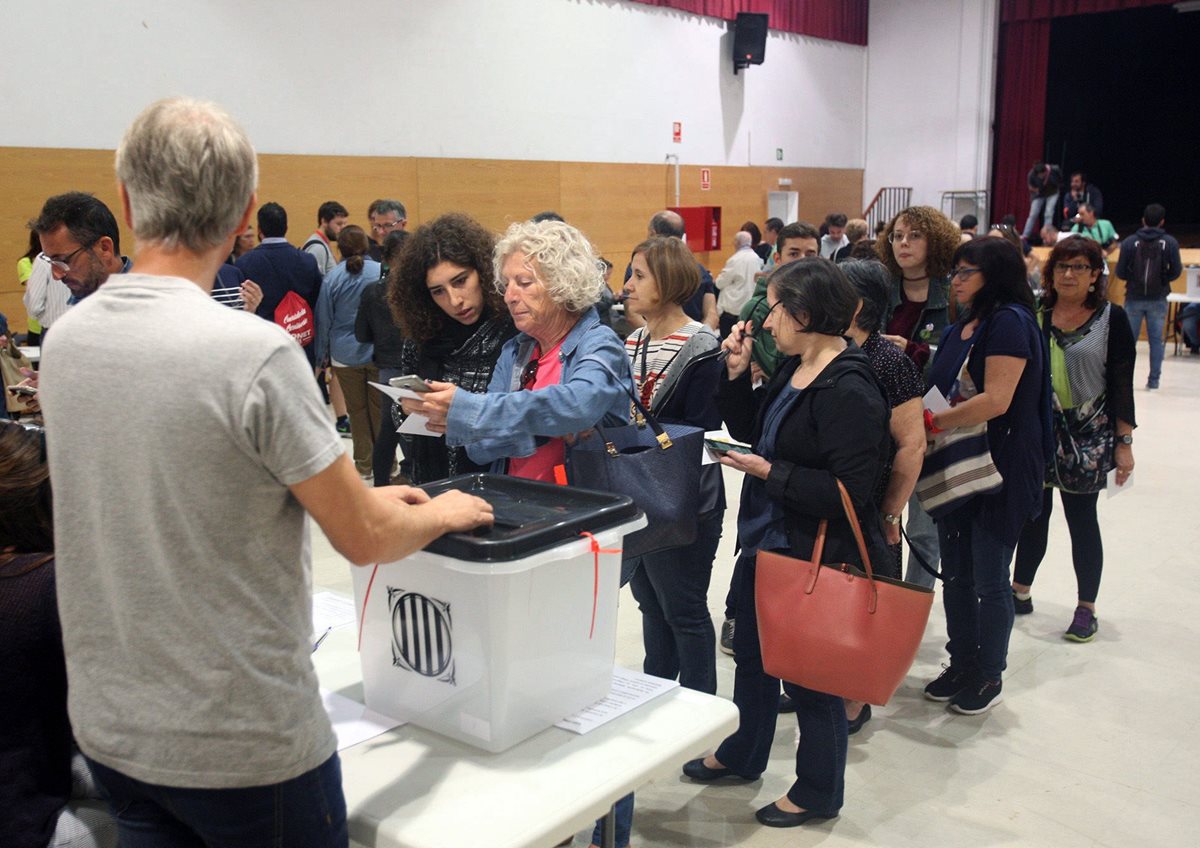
(835, 234)
(736, 281)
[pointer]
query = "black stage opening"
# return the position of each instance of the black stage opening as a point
(1122, 97)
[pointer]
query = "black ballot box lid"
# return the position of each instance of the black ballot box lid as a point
(531, 516)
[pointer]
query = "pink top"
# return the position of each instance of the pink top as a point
(541, 464)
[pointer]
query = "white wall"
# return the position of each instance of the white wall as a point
(586, 80)
(930, 84)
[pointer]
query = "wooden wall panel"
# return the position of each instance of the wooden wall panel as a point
(302, 183)
(495, 192)
(610, 202)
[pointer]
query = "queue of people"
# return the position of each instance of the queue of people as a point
(519, 367)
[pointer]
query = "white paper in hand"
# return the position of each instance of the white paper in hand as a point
(935, 401)
(1113, 489)
(414, 425)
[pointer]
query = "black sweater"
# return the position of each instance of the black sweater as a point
(837, 430)
(35, 735)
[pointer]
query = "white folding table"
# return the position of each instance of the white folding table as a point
(410, 788)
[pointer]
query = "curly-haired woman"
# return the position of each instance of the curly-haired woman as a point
(559, 376)
(917, 246)
(443, 295)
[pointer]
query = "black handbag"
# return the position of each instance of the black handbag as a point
(658, 465)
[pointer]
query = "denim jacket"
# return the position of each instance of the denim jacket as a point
(506, 422)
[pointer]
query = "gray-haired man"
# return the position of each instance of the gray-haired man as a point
(183, 568)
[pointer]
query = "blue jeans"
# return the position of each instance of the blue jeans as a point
(1189, 318)
(821, 754)
(977, 594)
(308, 811)
(671, 588)
(1155, 313)
(1043, 207)
(923, 536)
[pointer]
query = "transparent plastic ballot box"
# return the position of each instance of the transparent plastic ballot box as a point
(492, 636)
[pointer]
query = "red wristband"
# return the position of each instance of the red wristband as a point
(929, 425)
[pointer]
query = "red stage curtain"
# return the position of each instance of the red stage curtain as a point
(1021, 90)
(835, 20)
(1020, 113)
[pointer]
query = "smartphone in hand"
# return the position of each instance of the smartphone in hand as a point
(411, 382)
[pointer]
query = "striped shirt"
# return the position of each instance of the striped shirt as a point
(651, 358)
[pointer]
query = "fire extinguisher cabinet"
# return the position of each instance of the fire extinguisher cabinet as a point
(701, 226)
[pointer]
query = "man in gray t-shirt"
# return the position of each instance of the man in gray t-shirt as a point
(183, 564)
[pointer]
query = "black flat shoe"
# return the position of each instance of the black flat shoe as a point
(853, 727)
(772, 816)
(698, 771)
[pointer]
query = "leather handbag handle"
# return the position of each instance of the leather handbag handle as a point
(660, 435)
(819, 546)
(855, 528)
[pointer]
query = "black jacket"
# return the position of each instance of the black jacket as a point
(1172, 265)
(374, 325)
(838, 430)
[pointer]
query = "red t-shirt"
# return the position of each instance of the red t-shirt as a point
(541, 464)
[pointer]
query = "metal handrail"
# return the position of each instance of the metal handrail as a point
(887, 202)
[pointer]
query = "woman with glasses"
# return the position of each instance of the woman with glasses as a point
(1092, 354)
(991, 366)
(442, 291)
(822, 418)
(559, 376)
(44, 782)
(916, 247)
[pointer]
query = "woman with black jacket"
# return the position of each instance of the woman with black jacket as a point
(675, 370)
(443, 295)
(823, 418)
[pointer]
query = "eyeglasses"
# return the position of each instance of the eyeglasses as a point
(529, 374)
(1076, 268)
(896, 237)
(963, 273)
(385, 226)
(63, 266)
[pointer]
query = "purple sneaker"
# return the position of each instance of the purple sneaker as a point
(1083, 627)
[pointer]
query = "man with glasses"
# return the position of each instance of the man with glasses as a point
(80, 242)
(385, 216)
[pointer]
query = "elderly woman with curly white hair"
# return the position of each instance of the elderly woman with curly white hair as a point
(557, 377)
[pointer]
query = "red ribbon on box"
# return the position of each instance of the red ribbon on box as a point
(596, 551)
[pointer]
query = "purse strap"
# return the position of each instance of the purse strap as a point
(643, 414)
(855, 528)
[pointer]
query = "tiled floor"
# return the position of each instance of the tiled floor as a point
(1094, 745)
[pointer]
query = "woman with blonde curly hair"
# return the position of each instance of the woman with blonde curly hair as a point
(443, 296)
(557, 377)
(917, 246)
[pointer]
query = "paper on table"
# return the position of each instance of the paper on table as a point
(331, 610)
(414, 425)
(935, 401)
(352, 722)
(1113, 488)
(630, 689)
